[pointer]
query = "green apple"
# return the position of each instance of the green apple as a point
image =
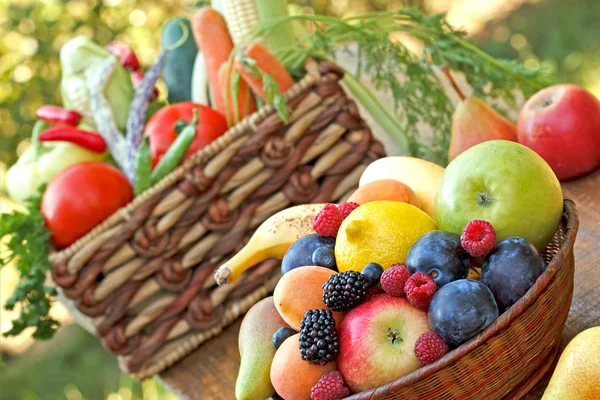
(506, 184)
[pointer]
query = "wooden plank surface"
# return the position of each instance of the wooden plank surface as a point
(210, 371)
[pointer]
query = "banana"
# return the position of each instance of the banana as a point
(271, 240)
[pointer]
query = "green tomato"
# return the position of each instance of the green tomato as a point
(506, 184)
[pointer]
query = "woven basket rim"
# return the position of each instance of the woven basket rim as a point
(233, 133)
(501, 323)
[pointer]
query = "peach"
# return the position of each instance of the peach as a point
(300, 290)
(385, 189)
(291, 376)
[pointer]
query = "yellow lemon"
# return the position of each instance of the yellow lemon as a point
(380, 232)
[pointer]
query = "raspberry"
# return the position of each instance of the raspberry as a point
(347, 207)
(330, 387)
(393, 280)
(430, 347)
(478, 238)
(327, 222)
(420, 289)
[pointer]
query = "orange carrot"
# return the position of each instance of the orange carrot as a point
(213, 39)
(267, 63)
(245, 102)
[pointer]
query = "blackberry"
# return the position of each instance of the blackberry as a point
(318, 337)
(345, 291)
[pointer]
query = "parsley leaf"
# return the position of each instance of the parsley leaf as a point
(28, 244)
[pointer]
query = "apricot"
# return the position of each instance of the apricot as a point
(385, 189)
(291, 376)
(300, 290)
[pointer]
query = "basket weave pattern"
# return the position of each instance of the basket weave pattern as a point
(510, 356)
(143, 279)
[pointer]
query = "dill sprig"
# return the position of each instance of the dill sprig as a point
(410, 78)
(29, 245)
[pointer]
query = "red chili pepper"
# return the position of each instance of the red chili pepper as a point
(54, 115)
(87, 140)
(125, 54)
(136, 79)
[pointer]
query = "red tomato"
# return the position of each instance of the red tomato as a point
(81, 197)
(161, 127)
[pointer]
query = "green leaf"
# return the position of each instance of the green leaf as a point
(274, 96)
(28, 244)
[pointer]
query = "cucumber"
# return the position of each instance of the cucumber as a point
(179, 65)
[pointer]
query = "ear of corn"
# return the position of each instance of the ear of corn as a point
(241, 16)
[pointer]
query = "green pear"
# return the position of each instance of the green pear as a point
(577, 374)
(257, 351)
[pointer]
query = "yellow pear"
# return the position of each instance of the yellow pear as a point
(577, 374)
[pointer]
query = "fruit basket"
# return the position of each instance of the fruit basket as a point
(386, 333)
(142, 280)
(511, 355)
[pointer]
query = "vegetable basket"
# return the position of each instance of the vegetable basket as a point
(511, 355)
(142, 280)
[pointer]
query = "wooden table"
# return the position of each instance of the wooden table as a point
(211, 370)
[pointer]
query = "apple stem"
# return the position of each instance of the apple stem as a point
(394, 336)
(545, 103)
(448, 75)
(484, 199)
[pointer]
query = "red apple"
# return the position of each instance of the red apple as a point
(377, 341)
(562, 124)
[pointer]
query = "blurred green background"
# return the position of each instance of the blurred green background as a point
(561, 36)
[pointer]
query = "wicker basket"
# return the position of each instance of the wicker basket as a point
(143, 279)
(509, 357)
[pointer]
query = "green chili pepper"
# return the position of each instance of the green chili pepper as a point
(143, 167)
(170, 160)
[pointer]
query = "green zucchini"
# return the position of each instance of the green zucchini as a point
(179, 65)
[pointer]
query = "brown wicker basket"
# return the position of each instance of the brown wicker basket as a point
(510, 356)
(143, 279)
